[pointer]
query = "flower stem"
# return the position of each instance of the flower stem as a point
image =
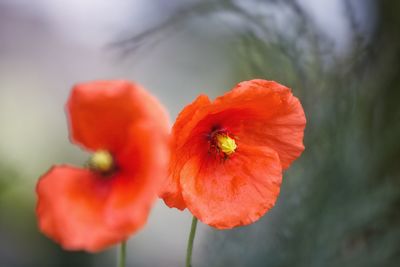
(189, 249)
(122, 254)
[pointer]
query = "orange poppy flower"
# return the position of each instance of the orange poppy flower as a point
(227, 156)
(95, 207)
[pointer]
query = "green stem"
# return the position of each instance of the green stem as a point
(122, 254)
(189, 249)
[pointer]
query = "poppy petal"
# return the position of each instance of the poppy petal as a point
(271, 116)
(171, 191)
(143, 165)
(102, 112)
(75, 217)
(83, 211)
(259, 111)
(234, 192)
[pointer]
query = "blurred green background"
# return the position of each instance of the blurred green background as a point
(340, 202)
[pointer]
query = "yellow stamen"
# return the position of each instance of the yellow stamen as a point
(226, 144)
(101, 161)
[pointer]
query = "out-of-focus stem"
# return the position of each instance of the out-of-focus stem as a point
(122, 254)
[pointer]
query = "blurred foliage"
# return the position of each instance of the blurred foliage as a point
(340, 203)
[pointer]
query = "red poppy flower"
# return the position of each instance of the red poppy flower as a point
(95, 207)
(227, 156)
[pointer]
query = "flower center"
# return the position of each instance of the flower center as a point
(226, 144)
(101, 161)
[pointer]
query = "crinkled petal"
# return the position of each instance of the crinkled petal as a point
(258, 111)
(232, 192)
(261, 114)
(275, 118)
(171, 191)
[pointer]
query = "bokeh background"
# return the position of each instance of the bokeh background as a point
(340, 202)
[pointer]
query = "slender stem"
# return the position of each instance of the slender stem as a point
(122, 254)
(189, 249)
